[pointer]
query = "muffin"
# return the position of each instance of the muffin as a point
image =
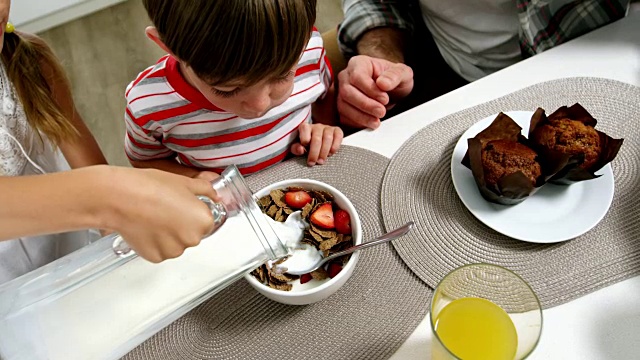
(570, 131)
(502, 127)
(501, 158)
(505, 167)
(570, 137)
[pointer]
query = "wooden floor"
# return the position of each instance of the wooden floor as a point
(104, 51)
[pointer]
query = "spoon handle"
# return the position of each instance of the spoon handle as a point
(392, 235)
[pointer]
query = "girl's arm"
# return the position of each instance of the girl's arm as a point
(157, 213)
(52, 203)
(172, 166)
(83, 150)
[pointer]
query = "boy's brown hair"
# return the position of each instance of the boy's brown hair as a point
(224, 40)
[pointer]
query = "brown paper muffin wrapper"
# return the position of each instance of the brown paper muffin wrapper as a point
(572, 172)
(513, 188)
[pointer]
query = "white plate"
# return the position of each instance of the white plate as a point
(554, 213)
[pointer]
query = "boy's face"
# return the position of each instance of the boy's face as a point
(247, 102)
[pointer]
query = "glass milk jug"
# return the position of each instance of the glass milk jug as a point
(103, 300)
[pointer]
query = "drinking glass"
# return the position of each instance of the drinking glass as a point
(484, 311)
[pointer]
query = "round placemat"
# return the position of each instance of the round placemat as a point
(368, 318)
(417, 186)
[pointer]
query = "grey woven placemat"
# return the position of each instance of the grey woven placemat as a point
(368, 318)
(417, 186)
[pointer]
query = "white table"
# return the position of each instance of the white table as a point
(604, 324)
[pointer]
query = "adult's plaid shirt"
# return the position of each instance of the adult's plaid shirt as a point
(543, 23)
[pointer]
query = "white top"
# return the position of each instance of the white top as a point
(18, 144)
(600, 325)
(475, 37)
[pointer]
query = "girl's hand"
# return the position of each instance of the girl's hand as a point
(207, 175)
(156, 212)
(104, 232)
(319, 141)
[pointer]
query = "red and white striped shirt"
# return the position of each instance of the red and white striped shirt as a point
(166, 117)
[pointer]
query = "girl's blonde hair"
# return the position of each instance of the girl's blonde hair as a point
(23, 56)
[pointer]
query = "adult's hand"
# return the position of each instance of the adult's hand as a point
(156, 212)
(368, 87)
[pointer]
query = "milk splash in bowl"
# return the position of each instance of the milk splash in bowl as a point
(291, 233)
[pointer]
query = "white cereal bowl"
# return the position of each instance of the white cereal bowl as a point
(330, 286)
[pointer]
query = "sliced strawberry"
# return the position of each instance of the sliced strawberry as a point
(305, 278)
(323, 216)
(297, 199)
(333, 269)
(343, 222)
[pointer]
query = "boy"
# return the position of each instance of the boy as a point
(236, 87)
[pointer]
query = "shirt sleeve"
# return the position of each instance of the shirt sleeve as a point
(545, 24)
(143, 142)
(322, 64)
(363, 15)
(326, 72)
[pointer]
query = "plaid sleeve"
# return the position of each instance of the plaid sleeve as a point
(363, 15)
(547, 23)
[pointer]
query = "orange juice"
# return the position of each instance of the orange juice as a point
(473, 329)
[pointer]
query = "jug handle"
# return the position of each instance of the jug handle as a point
(122, 249)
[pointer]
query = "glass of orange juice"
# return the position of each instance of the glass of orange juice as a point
(483, 311)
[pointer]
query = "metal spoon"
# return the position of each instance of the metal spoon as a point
(391, 235)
